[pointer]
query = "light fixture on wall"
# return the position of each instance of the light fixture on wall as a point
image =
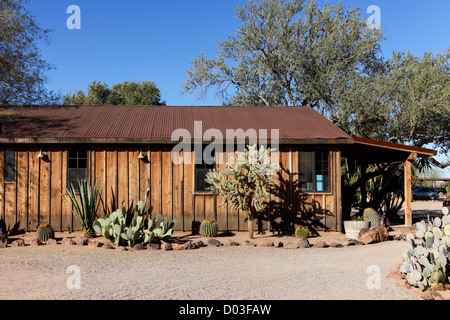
(41, 155)
(141, 155)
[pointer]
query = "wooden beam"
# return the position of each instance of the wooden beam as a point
(408, 193)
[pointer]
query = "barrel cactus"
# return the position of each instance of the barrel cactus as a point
(426, 261)
(209, 228)
(45, 231)
(302, 232)
(371, 215)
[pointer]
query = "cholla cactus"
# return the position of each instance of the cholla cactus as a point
(245, 185)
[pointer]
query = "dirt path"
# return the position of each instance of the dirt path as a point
(205, 274)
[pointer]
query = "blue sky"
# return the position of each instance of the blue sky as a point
(156, 40)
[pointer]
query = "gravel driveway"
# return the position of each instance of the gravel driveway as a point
(236, 273)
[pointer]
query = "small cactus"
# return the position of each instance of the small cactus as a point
(45, 232)
(302, 232)
(209, 228)
(372, 216)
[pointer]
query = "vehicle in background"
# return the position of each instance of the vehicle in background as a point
(424, 193)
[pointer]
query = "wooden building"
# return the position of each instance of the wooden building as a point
(129, 149)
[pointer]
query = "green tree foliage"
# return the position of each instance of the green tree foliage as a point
(407, 102)
(289, 53)
(22, 69)
(245, 184)
(126, 93)
(293, 52)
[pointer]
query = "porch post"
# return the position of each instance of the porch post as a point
(408, 189)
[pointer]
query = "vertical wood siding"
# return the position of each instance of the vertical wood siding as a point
(34, 197)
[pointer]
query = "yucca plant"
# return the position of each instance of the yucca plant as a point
(86, 207)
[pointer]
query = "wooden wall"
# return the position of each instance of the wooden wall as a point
(34, 197)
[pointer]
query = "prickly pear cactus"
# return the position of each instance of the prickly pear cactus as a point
(371, 215)
(209, 228)
(426, 261)
(302, 232)
(45, 232)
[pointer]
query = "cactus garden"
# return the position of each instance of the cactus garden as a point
(426, 261)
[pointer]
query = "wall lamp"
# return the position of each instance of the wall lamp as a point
(41, 155)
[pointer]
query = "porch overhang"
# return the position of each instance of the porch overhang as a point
(370, 151)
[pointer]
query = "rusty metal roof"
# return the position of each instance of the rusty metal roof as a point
(54, 124)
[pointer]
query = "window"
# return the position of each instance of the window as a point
(10, 165)
(203, 164)
(314, 171)
(77, 166)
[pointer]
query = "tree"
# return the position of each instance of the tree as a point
(407, 102)
(295, 53)
(289, 53)
(126, 93)
(246, 184)
(135, 93)
(22, 69)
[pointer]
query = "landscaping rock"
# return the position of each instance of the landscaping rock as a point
(52, 242)
(83, 241)
(153, 246)
(36, 242)
(231, 243)
(2, 245)
(68, 241)
(137, 247)
(431, 295)
(335, 245)
(278, 244)
(374, 235)
(198, 244)
(190, 245)
(383, 232)
(121, 248)
(248, 243)
(266, 244)
(291, 245)
(18, 243)
(214, 243)
(320, 244)
(362, 232)
(95, 244)
(108, 246)
(178, 246)
(303, 243)
(352, 242)
(166, 246)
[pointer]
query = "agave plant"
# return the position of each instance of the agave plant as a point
(86, 207)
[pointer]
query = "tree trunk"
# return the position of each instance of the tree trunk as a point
(250, 215)
(250, 227)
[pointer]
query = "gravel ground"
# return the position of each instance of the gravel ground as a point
(227, 273)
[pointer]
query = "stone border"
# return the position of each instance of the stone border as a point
(426, 295)
(189, 245)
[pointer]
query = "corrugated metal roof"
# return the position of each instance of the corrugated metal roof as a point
(157, 123)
